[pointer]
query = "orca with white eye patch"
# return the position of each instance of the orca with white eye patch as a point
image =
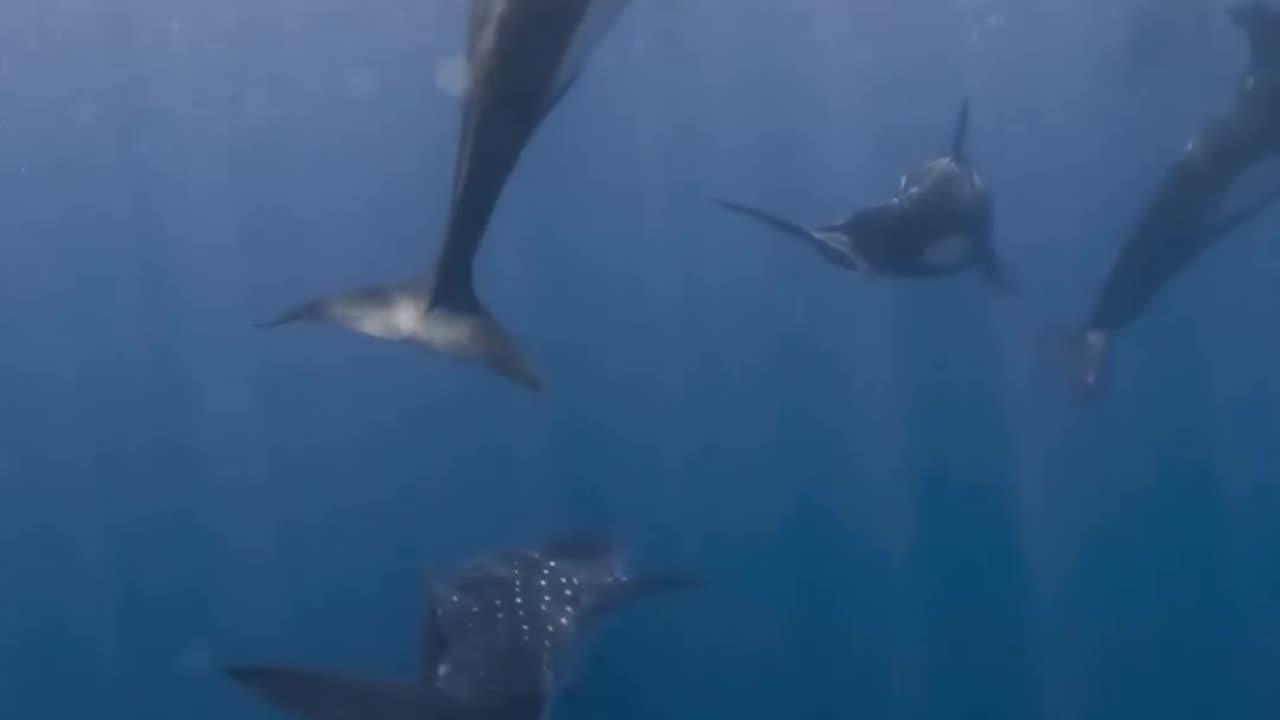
(940, 222)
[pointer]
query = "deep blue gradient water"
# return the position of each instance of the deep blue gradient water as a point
(900, 510)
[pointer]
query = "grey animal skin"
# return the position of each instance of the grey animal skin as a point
(940, 222)
(498, 638)
(523, 56)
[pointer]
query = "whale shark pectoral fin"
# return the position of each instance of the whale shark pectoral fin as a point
(624, 592)
(314, 695)
(408, 312)
(960, 131)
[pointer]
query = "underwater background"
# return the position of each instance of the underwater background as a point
(900, 509)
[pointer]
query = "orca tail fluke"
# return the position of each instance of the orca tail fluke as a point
(777, 223)
(315, 695)
(408, 312)
(1226, 225)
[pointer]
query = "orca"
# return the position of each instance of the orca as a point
(523, 57)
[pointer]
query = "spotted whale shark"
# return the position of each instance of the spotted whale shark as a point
(499, 637)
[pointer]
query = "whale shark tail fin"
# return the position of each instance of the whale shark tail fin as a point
(409, 312)
(314, 695)
(960, 132)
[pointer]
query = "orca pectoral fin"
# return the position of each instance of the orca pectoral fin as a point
(996, 274)
(1083, 354)
(314, 695)
(769, 219)
(409, 312)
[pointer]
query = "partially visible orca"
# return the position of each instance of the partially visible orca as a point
(498, 638)
(1190, 212)
(940, 222)
(523, 56)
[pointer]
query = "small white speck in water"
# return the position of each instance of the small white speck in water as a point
(451, 76)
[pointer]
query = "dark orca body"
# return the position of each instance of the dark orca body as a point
(523, 56)
(1186, 215)
(498, 636)
(940, 222)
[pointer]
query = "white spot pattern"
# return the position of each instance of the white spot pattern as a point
(488, 650)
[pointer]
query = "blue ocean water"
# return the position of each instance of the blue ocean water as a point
(900, 512)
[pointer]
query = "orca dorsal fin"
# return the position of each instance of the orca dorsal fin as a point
(961, 131)
(1262, 24)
